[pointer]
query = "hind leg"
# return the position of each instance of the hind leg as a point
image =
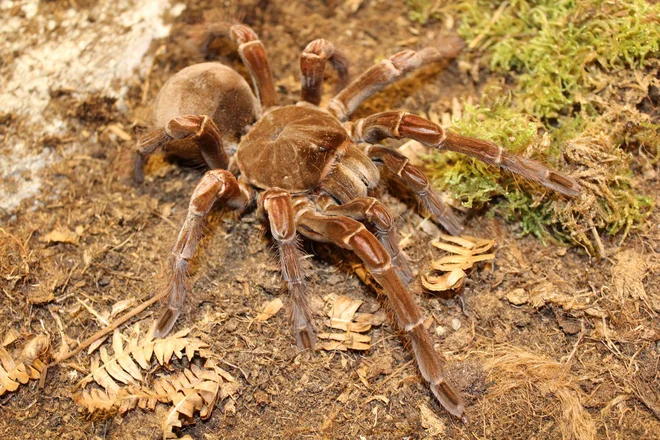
(350, 234)
(198, 128)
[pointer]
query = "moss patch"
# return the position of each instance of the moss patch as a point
(581, 73)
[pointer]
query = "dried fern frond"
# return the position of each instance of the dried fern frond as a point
(126, 399)
(122, 365)
(464, 251)
(29, 366)
(344, 316)
(193, 389)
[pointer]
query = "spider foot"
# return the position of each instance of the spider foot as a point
(166, 322)
(442, 213)
(302, 328)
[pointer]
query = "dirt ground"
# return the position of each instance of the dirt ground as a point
(551, 343)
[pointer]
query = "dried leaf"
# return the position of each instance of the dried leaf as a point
(125, 400)
(120, 306)
(119, 132)
(450, 280)
(193, 390)
(431, 421)
(380, 398)
(28, 367)
(96, 344)
(451, 262)
(466, 251)
(36, 348)
(270, 310)
(343, 316)
(348, 340)
(60, 235)
(10, 336)
(106, 369)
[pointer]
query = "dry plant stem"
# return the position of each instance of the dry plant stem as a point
(350, 234)
(109, 329)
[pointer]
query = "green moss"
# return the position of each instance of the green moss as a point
(474, 183)
(558, 47)
(609, 201)
(580, 71)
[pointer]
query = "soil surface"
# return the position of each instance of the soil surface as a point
(545, 343)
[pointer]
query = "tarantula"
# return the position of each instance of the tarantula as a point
(311, 172)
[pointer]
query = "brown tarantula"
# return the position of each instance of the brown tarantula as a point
(310, 172)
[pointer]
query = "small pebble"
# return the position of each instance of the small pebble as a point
(518, 297)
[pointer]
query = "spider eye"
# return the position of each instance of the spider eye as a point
(322, 148)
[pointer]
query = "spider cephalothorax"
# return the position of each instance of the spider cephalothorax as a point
(310, 172)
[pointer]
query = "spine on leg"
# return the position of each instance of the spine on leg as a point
(300, 316)
(277, 203)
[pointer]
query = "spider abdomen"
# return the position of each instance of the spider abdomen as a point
(291, 147)
(210, 89)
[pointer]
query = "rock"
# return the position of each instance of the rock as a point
(518, 297)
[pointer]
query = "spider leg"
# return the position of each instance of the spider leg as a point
(371, 210)
(198, 128)
(215, 185)
(254, 56)
(413, 178)
(350, 234)
(312, 67)
(277, 205)
(400, 125)
(384, 73)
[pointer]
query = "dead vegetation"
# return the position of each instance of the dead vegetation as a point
(194, 386)
(553, 344)
(466, 252)
(528, 382)
(29, 365)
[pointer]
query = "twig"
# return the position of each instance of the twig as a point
(580, 337)
(496, 16)
(109, 329)
(96, 314)
(599, 244)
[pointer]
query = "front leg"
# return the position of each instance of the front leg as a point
(254, 56)
(277, 204)
(312, 68)
(399, 125)
(372, 211)
(216, 185)
(386, 72)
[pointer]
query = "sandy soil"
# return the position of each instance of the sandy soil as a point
(552, 343)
